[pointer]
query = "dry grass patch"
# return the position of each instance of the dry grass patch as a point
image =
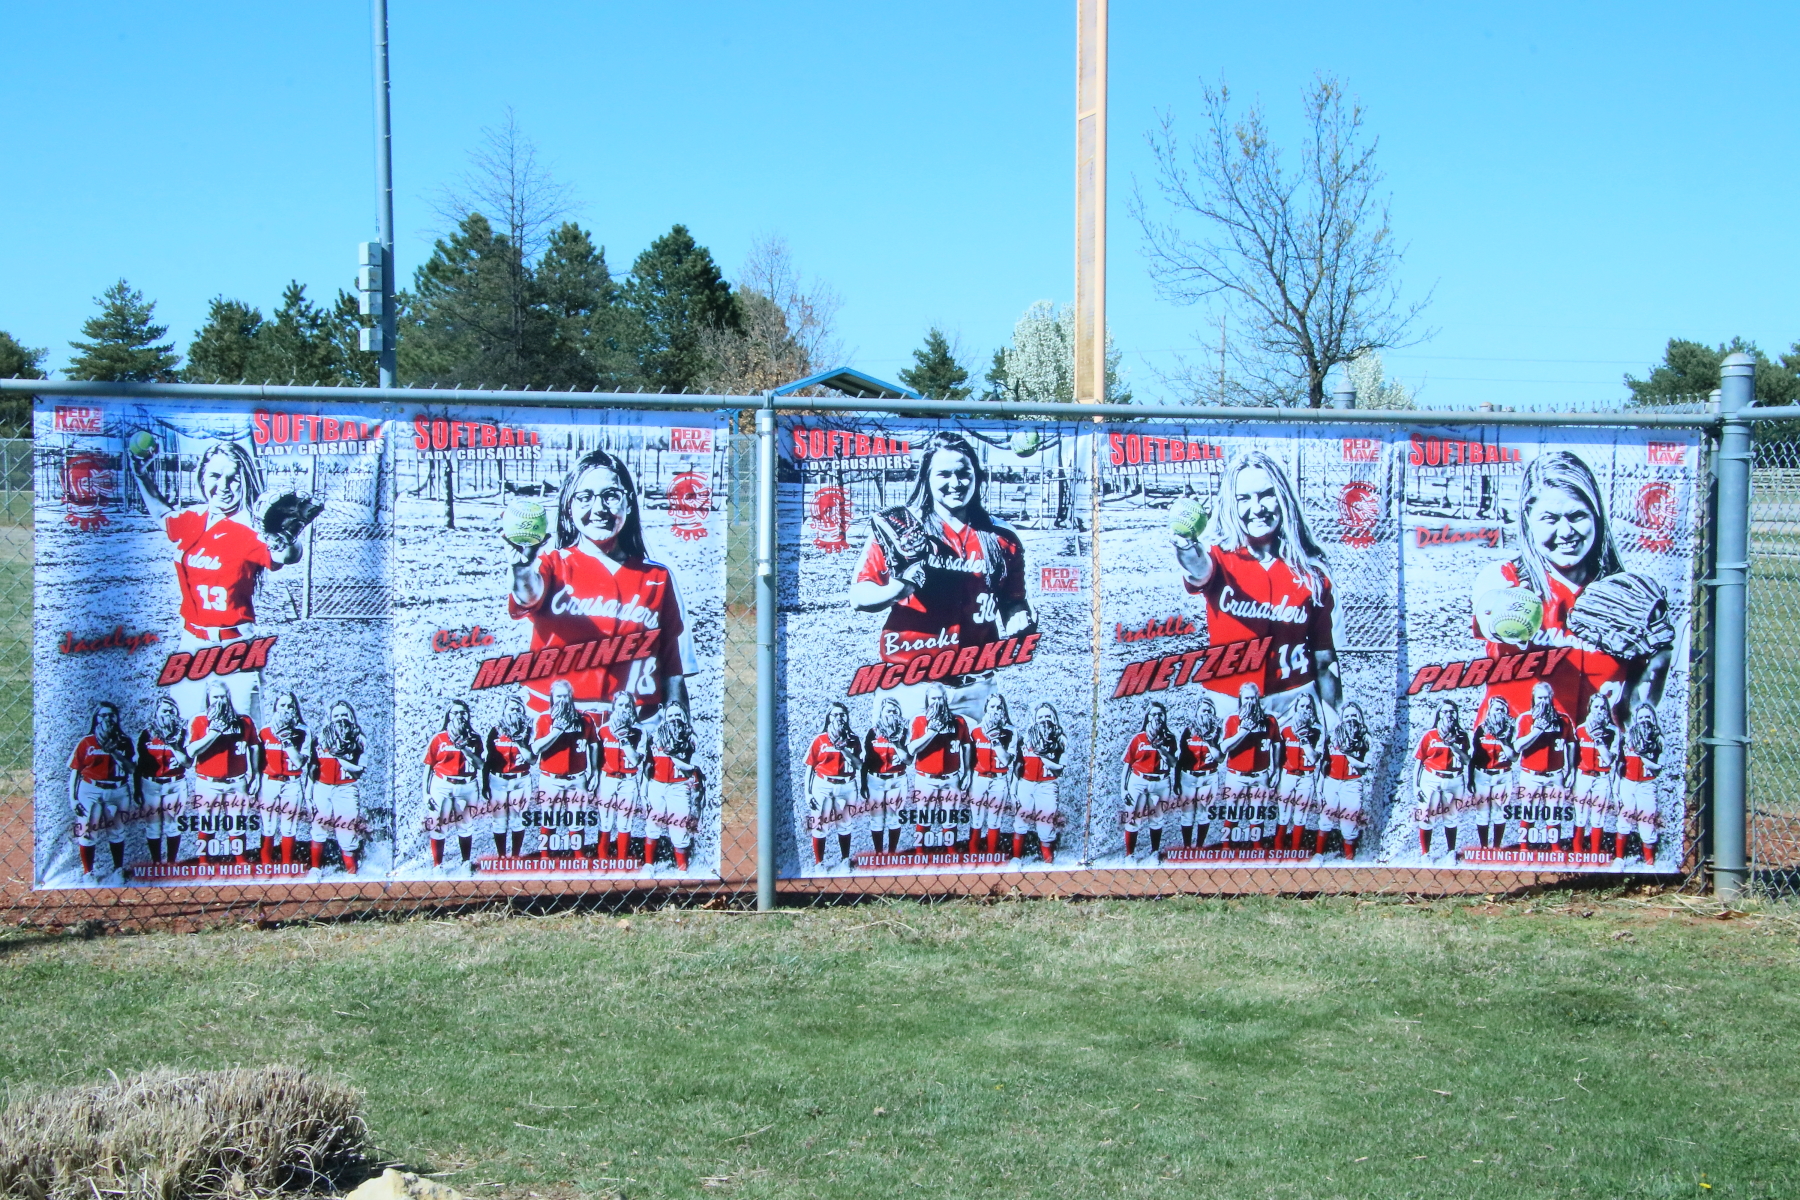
(182, 1135)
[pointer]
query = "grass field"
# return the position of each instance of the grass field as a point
(1571, 1047)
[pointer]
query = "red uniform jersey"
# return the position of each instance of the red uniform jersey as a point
(228, 757)
(506, 755)
(1638, 768)
(989, 753)
(1255, 755)
(1143, 756)
(217, 568)
(281, 760)
(1035, 768)
(330, 769)
(447, 759)
(943, 754)
(1246, 600)
(1198, 756)
(585, 600)
(1578, 674)
(664, 769)
(1435, 752)
(1491, 752)
(1548, 757)
(825, 758)
(156, 758)
(971, 576)
(1339, 766)
(883, 755)
(1298, 755)
(614, 751)
(94, 764)
(568, 755)
(1587, 751)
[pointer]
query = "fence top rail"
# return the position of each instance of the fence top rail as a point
(1111, 412)
(1786, 412)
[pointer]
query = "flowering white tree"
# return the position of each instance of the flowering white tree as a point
(1039, 365)
(1375, 390)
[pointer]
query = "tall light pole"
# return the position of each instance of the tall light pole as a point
(1090, 200)
(383, 344)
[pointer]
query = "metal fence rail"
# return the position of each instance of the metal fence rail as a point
(748, 791)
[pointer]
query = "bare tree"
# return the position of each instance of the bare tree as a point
(508, 185)
(789, 326)
(1305, 260)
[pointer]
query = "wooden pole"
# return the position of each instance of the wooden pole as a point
(1090, 201)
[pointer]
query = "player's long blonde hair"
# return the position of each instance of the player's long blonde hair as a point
(1562, 470)
(245, 464)
(837, 728)
(1294, 542)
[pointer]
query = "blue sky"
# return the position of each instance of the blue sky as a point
(1578, 182)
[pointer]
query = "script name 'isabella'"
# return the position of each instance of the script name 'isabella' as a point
(956, 660)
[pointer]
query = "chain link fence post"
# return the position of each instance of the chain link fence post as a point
(765, 654)
(1730, 735)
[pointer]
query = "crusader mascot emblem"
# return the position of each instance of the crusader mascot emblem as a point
(1359, 511)
(690, 502)
(830, 519)
(1654, 515)
(89, 483)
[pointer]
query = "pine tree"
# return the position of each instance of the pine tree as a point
(474, 315)
(1692, 369)
(123, 341)
(19, 361)
(674, 293)
(591, 330)
(935, 372)
(224, 349)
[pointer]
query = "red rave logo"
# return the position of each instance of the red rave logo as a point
(282, 428)
(1448, 452)
(89, 482)
(78, 418)
(1359, 511)
(1666, 454)
(1362, 449)
(829, 519)
(1655, 513)
(690, 503)
(690, 441)
(843, 443)
(1059, 579)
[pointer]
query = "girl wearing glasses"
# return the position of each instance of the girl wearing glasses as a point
(596, 589)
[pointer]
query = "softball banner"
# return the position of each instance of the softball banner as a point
(1449, 647)
(229, 603)
(1548, 611)
(1249, 593)
(213, 702)
(937, 658)
(558, 643)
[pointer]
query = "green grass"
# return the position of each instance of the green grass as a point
(1181, 1048)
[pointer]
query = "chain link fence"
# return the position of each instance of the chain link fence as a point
(1774, 660)
(1775, 796)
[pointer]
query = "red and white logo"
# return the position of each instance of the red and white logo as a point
(1059, 579)
(690, 503)
(89, 483)
(78, 418)
(690, 441)
(1655, 513)
(1359, 511)
(1666, 454)
(1362, 450)
(829, 520)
